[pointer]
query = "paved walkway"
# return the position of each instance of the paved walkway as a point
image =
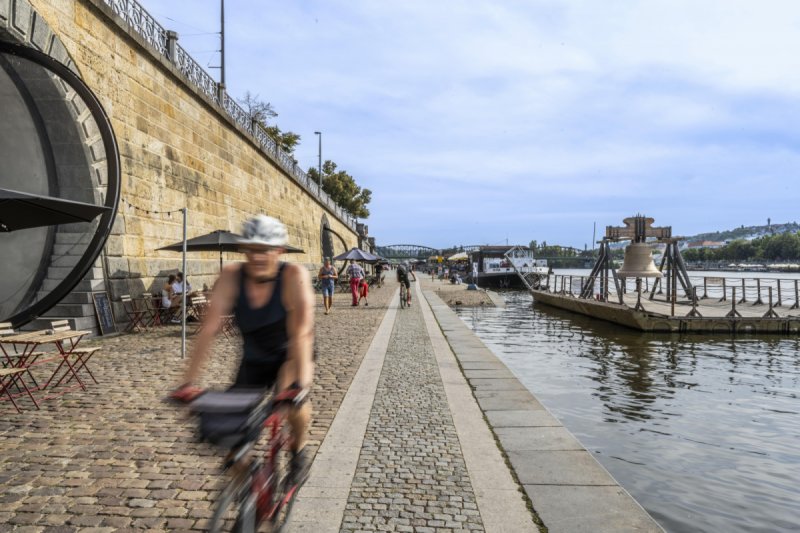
(409, 450)
(401, 399)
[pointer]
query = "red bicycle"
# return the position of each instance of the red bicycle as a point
(260, 492)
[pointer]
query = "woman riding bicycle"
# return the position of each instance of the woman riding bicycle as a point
(273, 303)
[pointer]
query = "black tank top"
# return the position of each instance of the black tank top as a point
(264, 329)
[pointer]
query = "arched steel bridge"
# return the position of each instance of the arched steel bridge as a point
(418, 251)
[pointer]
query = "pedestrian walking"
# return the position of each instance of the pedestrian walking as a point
(327, 276)
(356, 274)
(363, 291)
(379, 273)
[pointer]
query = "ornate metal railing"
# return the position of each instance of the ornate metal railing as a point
(146, 26)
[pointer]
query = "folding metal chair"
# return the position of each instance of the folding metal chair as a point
(82, 355)
(135, 315)
(13, 377)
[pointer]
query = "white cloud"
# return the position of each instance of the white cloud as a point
(520, 110)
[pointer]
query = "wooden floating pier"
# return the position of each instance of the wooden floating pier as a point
(715, 305)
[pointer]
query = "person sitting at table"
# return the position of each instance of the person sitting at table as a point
(178, 284)
(169, 299)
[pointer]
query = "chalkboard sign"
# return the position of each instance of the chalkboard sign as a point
(105, 317)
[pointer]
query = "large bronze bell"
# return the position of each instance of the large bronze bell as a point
(638, 262)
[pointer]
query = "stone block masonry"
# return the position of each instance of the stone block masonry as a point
(177, 148)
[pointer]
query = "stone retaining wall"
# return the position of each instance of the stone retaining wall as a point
(177, 148)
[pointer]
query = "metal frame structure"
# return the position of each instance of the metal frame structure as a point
(638, 229)
(106, 220)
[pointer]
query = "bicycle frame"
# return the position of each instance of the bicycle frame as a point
(258, 490)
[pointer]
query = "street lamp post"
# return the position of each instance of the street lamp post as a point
(319, 160)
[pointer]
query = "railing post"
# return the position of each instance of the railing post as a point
(758, 289)
(770, 312)
(221, 94)
(733, 312)
(796, 299)
(724, 291)
(172, 46)
(694, 312)
(744, 293)
(780, 300)
(705, 287)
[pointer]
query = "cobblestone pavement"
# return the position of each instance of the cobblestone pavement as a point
(116, 457)
(411, 475)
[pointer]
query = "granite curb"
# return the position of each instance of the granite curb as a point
(569, 489)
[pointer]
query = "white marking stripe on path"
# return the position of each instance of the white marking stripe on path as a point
(499, 500)
(321, 502)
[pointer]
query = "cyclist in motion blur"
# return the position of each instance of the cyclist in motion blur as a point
(403, 272)
(273, 304)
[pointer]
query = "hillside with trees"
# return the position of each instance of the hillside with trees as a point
(770, 248)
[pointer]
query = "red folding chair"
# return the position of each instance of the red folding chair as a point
(13, 377)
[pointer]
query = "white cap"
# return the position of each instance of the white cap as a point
(264, 231)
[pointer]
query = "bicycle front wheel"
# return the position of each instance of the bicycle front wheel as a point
(235, 509)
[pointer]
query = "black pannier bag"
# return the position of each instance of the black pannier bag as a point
(229, 418)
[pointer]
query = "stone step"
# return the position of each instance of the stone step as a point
(78, 297)
(85, 285)
(73, 310)
(66, 237)
(60, 272)
(68, 249)
(80, 323)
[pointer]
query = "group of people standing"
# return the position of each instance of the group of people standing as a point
(359, 286)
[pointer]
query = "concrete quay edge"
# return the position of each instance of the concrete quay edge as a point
(568, 488)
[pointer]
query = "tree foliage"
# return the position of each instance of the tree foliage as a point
(782, 247)
(262, 113)
(342, 188)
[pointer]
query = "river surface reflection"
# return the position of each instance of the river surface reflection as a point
(704, 431)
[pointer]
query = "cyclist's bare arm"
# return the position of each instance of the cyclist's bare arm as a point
(412, 275)
(298, 300)
(222, 302)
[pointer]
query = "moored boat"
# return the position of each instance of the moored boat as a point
(500, 266)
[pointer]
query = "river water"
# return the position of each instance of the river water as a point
(704, 431)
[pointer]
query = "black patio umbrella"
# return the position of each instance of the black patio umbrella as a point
(358, 255)
(20, 210)
(217, 241)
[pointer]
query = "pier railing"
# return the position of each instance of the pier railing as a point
(725, 290)
(165, 43)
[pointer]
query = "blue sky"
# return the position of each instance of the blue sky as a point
(481, 121)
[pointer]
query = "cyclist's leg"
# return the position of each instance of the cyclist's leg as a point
(299, 419)
(408, 291)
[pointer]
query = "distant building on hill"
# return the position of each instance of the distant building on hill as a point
(704, 244)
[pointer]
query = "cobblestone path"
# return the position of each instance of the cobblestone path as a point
(116, 457)
(411, 474)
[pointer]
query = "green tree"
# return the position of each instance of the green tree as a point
(261, 113)
(342, 188)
